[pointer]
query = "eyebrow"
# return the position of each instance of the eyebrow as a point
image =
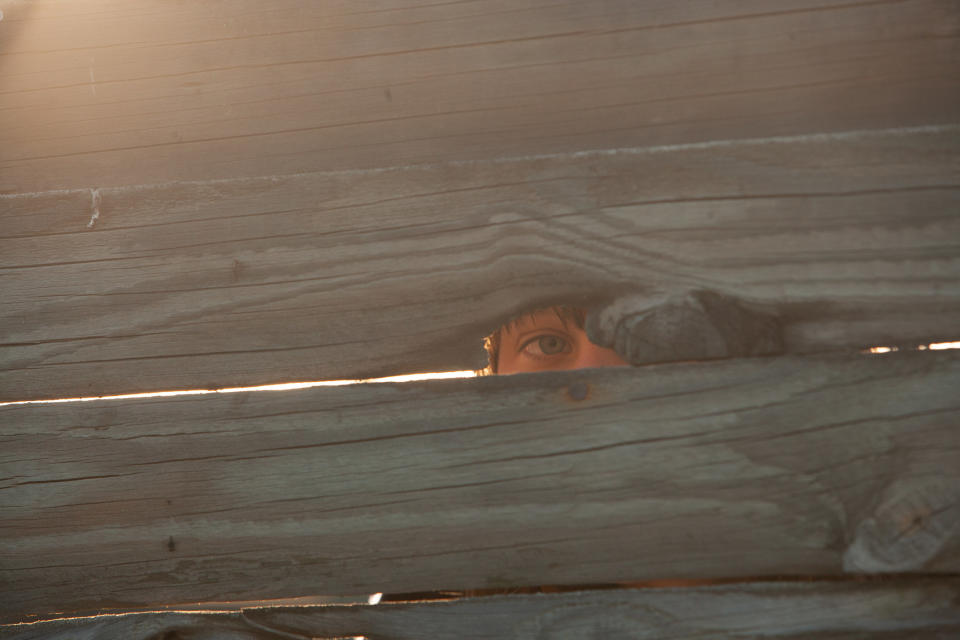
(564, 313)
(521, 336)
(494, 342)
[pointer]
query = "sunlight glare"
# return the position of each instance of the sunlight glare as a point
(882, 349)
(409, 377)
(940, 346)
(933, 346)
(283, 386)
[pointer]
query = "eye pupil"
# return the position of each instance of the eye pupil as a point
(551, 344)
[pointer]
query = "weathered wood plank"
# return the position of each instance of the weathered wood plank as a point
(113, 92)
(854, 239)
(921, 608)
(756, 467)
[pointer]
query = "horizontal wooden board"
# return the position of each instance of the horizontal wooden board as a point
(119, 92)
(916, 608)
(854, 239)
(784, 466)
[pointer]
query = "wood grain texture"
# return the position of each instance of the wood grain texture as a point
(114, 92)
(734, 468)
(925, 608)
(852, 239)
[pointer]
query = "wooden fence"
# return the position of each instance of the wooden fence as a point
(219, 194)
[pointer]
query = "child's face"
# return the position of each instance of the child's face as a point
(541, 341)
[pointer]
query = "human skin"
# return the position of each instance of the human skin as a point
(543, 341)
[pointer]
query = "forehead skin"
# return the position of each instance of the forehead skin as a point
(515, 357)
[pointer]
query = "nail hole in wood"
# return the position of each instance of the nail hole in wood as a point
(578, 391)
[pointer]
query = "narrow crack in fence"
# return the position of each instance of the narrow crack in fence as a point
(409, 377)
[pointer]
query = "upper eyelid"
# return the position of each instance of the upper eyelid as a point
(537, 336)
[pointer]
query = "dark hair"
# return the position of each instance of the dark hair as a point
(493, 341)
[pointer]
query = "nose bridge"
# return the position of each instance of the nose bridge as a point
(591, 355)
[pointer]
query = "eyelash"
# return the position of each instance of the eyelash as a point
(523, 348)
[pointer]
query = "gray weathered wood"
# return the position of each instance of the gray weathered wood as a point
(734, 468)
(138, 91)
(690, 325)
(853, 239)
(916, 608)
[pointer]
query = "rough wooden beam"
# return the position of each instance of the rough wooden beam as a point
(915, 608)
(853, 240)
(755, 467)
(120, 92)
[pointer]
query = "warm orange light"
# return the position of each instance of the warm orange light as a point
(939, 346)
(881, 349)
(933, 346)
(410, 377)
(283, 386)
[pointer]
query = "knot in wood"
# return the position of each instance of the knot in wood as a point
(913, 523)
(578, 391)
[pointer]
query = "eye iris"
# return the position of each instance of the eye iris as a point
(551, 344)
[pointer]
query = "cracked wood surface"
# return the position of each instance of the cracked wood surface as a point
(119, 92)
(852, 240)
(756, 467)
(918, 608)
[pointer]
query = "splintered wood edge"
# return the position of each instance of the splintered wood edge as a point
(920, 607)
